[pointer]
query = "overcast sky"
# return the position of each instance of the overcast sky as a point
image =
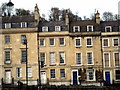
(83, 7)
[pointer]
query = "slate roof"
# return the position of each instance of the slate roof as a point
(16, 21)
(51, 25)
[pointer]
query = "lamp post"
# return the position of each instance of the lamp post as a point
(25, 42)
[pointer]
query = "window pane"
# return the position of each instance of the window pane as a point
(61, 40)
(7, 57)
(7, 39)
(78, 42)
(23, 39)
(51, 41)
(90, 74)
(106, 58)
(41, 42)
(23, 56)
(115, 42)
(52, 73)
(62, 58)
(78, 58)
(89, 41)
(105, 41)
(62, 73)
(52, 58)
(89, 58)
(29, 72)
(117, 72)
(116, 57)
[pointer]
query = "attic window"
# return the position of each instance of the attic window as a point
(57, 28)
(90, 28)
(76, 29)
(23, 24)
(7, 25)
(108, 29)
(45, 29)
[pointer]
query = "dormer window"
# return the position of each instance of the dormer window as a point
(23, 24)
(7, 25)
(90, 28)
(57, 28)
(108, 28)
(76, 29)
(45, 29)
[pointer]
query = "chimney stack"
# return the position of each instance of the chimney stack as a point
(97, 17)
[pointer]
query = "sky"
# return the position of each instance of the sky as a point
(79, 7)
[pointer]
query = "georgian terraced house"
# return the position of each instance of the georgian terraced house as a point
(84, 52)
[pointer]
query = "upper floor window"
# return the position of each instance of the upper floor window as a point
(105, 42)
(61, 41)
(52, 73)
(23, 56)
(7, 57)
(62, 73)
(76, 29)
(45, 29)
(62, 57)
(117, 58)
(89, 42)
(42, 42)
(78, 58)
(90, 28)
(117, 74)
(7, 39)
(19, 72)
(23, 39)
(106, 59)
(89, 58)
(52, 41)
(42, 59)
(115, 42)
(23, 24)
(7, 25)
(108, 29)
(57, 28)
(90, 74)
(52, 58)
(77, 42)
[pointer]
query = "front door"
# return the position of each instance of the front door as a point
(107, 77)
(43, 78)
(8, 77)
(75, 80)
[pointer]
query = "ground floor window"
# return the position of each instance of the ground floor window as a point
(90, 74)
(62, 73)
(52, 73)
(117, 74)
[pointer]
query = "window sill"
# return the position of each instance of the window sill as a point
(52, 64)
(62, 64)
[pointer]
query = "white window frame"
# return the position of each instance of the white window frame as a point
(20, 72)
(104, 59)
(52, 41)
(52, 58)
(114, 58)
(23, 24)
(87, 58)
(88, 74)
(103, 42)
(54, 74)
(80, 42)
(8, 25)
(91, 42)
(43, 42)
(29, 71)
(44, 29)
(62, 44)
(44, 57)
(115, 75)
(62, 73)
(80, 58)
(57, 28)
(88, 28)
(63, 57)
(118, 42)
(78, 30)
(108, 27)
(6, 61)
